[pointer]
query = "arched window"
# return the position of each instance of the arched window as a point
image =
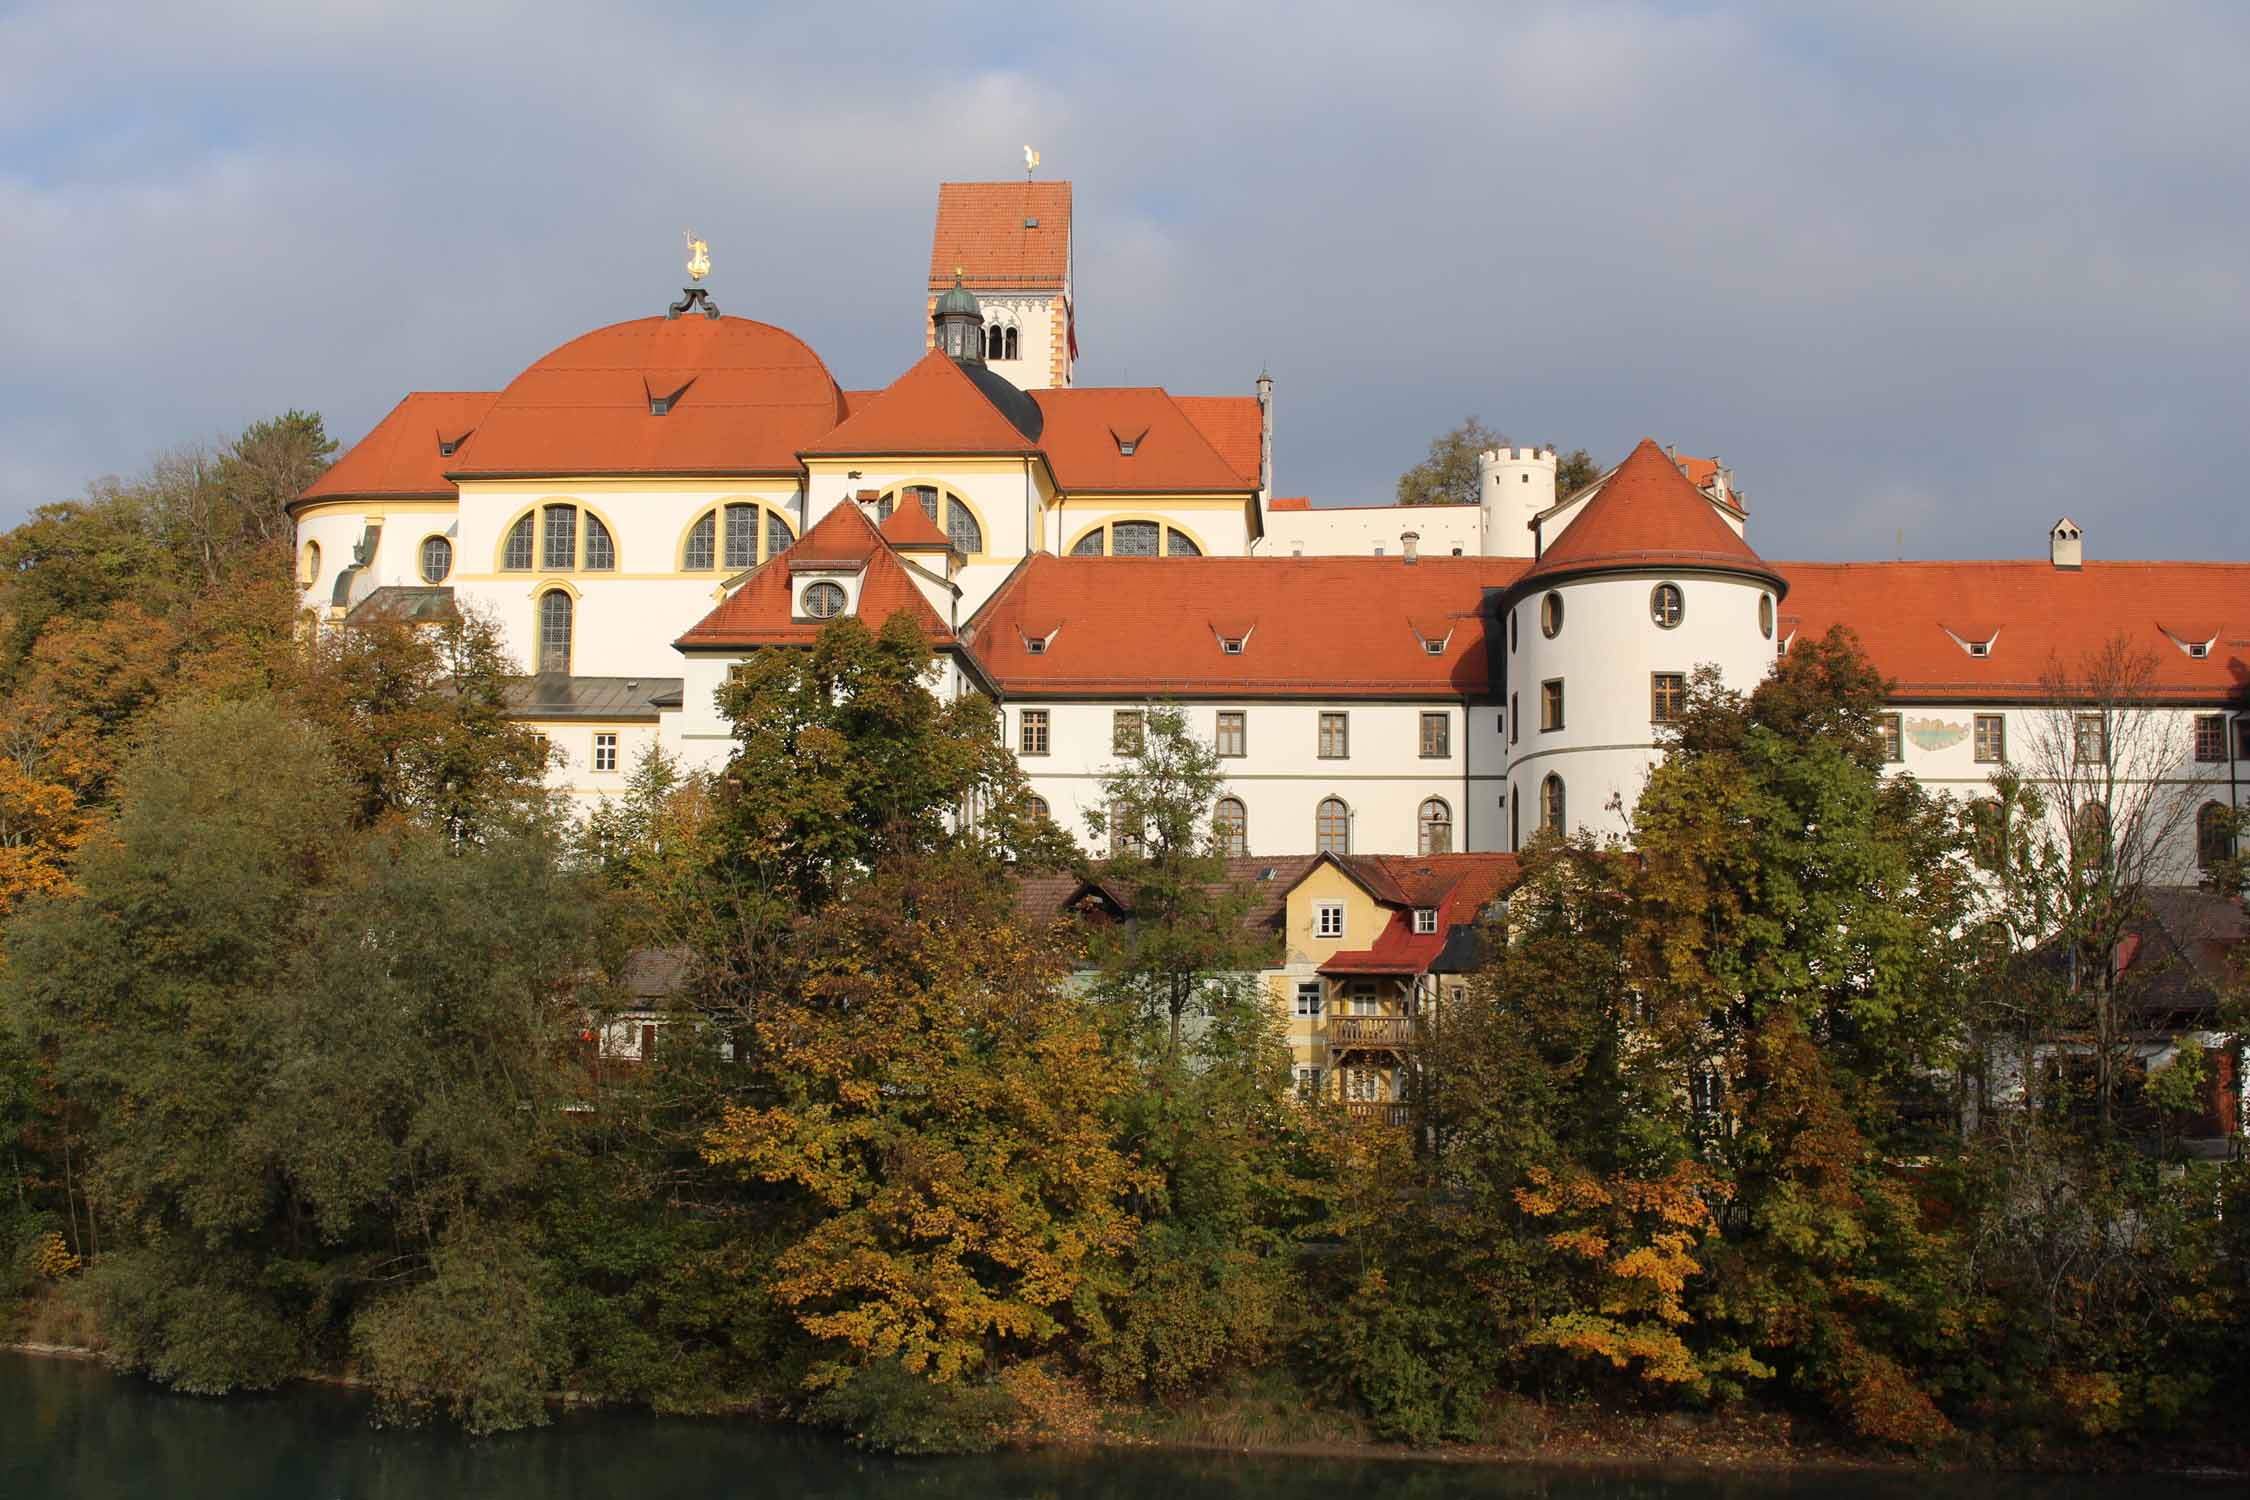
(1010, 350)
(601, 552)
(2214, 836)
(437, 559)
(1089, 545)
(2090, 837)
(1436, 824)
(1550, 615)
(1180, 544)
(312, 563)
(558, 537)
(1135, 538)
(515, 554)
(1038, 805)
(730, 536)
(1552, 812)
(950, 511)
(1665, 606)
(555, 608)
(1230, 827)
(1765, 615)
(1332, 827)
(702, 543)
(824, 600)
(992, 342)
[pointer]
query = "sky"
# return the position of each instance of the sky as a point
(1926, 274)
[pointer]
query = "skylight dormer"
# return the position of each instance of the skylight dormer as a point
(663, 393)
(1977, 640)
(1128, 440)
(1233, 635)
(2194, 639)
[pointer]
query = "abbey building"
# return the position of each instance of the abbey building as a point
(649, 502)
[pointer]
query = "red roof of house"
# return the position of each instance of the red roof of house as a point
(981, 229)
(1235, 426)
(2035, 615)
(401, 456)
(1086, 430)
(1456, 886)
(935, 407)
(1646, 515)
(1289, 502)
(906, 526)
(746, 396)
(762, 612)
(1331, 627)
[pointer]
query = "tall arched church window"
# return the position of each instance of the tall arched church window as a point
(558, 537)
(2214, 836)
(555, 611)
(702, 543)
(992, 342)
(1436, 827)
(1332, 827)
(515, 554)
(1553, 814)
(1230, 827)
(601, 551)
(741, 536)
(962, 530)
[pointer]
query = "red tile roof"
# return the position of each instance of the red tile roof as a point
(980, 228)
(754, 396)
(1234, 425)
(1327, 627)
(762, 612)
(400, 456)
(1289, 502)
(1456, 886)
(1646, 514)
(935, 407)
(1170, 452)
(2041, 614)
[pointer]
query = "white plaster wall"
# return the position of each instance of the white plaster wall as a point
(1282, 779)
(397, 553)
(1000, 493)
(1513, 485)
(1357, 530)
(1605, 654)
(1033, 317)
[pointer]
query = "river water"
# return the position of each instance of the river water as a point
(70, 1429)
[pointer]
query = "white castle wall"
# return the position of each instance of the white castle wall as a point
(1364, 530)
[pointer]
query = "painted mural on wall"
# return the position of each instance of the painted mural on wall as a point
(1935, 734)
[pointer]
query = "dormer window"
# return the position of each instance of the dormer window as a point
(1231, 644)
(1128, 442)
(446, 447)
(1433, 648)
(2199, 649)
(823, 600)
(661, 402)
(1035, 645)
(1980, 648)
(659, 405)
(1425, 920)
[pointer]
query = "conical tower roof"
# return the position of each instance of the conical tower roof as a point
(1646, 516)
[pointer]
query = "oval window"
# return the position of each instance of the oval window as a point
(437, 559)
(1665, 605)
(824, 601)
(1550, 615)
(1765, 615)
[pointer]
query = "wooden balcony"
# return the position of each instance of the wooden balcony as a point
(1387, 1113)
(1387, 1033)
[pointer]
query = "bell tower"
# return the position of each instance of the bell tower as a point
(1008, 244)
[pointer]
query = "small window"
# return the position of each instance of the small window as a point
(1230, 827)
(2199, 649)
(1500, 722)
(1133, 538)
(1433, 648)
(605, 752)
(1335, 736)
(1991, 739)
(1310, 1002)
(1031, 732)
(312, 563)
(1515, 716)
(437, 559)
(1328, 919)
(1180, 544)
(1035, 645)
(824, 600)
(1038, 806)
(1233, 739)
(1425, 920)
(1894, 738)
(2214, 836)
(1434, 827)
(1362, 998)
(1231, 644)
(742, 538)
(1980, 648)
(1437, 736)
(558, 537)
(1550, 615)
(1550, 705)
(1125, 729)
(2210, 737)
(556, 611)
(1667, 697)
(1332, 827)
(2093, 739)
(1552, 813)
(515, 553)
(1308, 1082)
(1665, 606)
(1765, 615)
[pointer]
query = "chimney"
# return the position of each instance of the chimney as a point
(2065, 545)
(1265, 435)
(1409, 543)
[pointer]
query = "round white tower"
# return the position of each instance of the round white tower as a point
(1513, 485)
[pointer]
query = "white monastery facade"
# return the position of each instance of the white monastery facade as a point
(649, 502)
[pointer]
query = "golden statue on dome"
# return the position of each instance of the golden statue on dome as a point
(694, 298)
(698, 257)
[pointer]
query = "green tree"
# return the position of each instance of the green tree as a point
(1574, 471)
(1449, 475)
